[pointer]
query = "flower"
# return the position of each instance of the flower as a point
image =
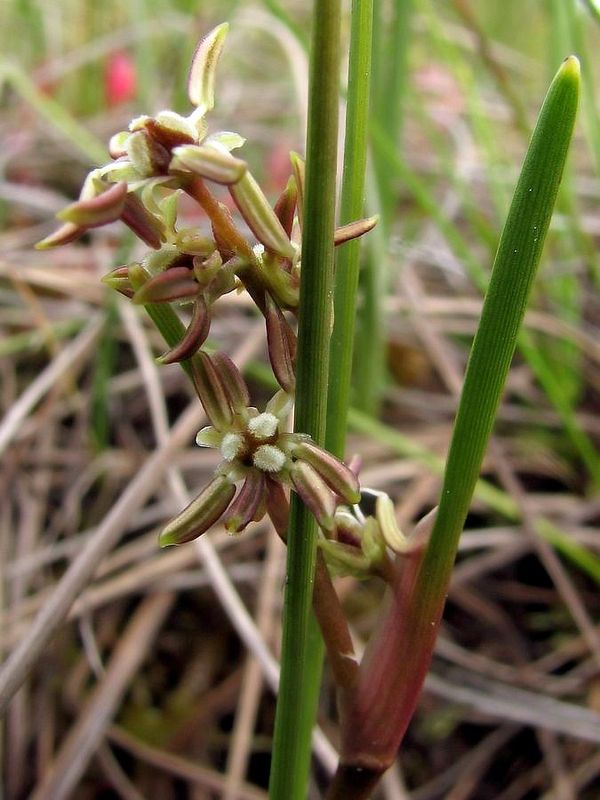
(260, 455)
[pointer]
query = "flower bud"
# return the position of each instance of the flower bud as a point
(298, 169)
(142, 223)
(246, 505)
(200, 514)
(117, 145)
(66, 234)
(344, 560)
(233, 382)
(354, 229)
(118, 279)
(281, 342)
(147, 155)
(334, 472)
(99, 210)
(201, 81)
(220, 387)
(348, 529)
(285, 207)
(260, 217)
(314, 493)
(372, 544)
(194, 337)
(209, 162)
(175, 283)
(170, 129)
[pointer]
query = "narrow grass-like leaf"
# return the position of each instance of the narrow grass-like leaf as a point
(518, 256)
(398, 655)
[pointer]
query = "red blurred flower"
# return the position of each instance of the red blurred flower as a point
(120, 83)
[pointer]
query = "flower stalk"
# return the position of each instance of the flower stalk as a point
(301, 644)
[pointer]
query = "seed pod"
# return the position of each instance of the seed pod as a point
(244, 508)
(314, 493)
(260, 217)
(200, 514)
(334, 472)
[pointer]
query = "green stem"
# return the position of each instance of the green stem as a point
(351, 208)
(302, 647)
(390, 52)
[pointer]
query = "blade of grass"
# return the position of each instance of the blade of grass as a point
(279, 12)
(352, 204)
(54, 113)
(301, 646)
(36, 339)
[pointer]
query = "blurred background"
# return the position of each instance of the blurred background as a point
(157, 682)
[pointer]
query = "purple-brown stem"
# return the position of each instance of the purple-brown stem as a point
(226, 230)
(375, 716)
(326, 603)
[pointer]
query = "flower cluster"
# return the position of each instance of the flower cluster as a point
(153, 162)
(259, 455)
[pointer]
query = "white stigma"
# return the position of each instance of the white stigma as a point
(268, 458)
(231, 446)
(263, 426)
